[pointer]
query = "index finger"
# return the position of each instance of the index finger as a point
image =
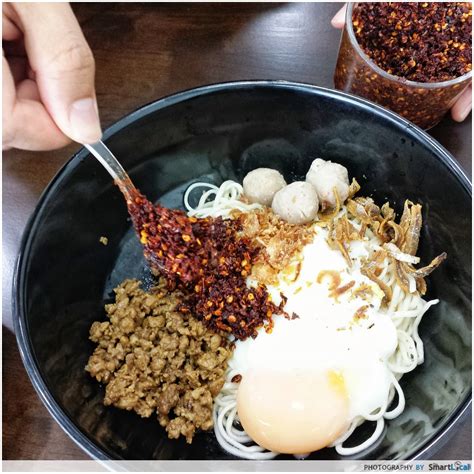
(64, 67)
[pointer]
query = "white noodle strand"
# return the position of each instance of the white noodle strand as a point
(226, 199)
(405, 310)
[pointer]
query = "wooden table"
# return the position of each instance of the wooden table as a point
(143, 52)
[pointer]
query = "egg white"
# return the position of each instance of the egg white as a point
(325, 336)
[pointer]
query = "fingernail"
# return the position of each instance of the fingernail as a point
(84, 120)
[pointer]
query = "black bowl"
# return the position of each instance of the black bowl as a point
(64, 275)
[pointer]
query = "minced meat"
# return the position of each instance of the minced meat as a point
(152, 358)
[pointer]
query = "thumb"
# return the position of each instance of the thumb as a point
(64, 66)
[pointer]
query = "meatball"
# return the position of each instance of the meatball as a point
(296, 203)
(260, 185)
(325, 176)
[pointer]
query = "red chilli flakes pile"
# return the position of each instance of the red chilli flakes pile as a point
(420, 41)
(207, 259)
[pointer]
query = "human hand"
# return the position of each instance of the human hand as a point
(48, 78)
(459, 111)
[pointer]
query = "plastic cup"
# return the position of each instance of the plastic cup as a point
(423, 103)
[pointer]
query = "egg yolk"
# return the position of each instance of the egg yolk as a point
(293, 412)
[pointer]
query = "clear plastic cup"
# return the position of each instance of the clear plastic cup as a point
(423, 103)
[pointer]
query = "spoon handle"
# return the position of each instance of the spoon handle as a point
(113, 166)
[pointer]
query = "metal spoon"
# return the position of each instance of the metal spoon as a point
(113, 166)
(121, 178)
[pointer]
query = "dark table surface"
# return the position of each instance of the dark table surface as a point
(144, 52)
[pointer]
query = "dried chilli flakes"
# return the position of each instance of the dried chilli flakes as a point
(422, 42)
(209, 261)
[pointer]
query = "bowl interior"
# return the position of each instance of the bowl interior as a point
(65, 274)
